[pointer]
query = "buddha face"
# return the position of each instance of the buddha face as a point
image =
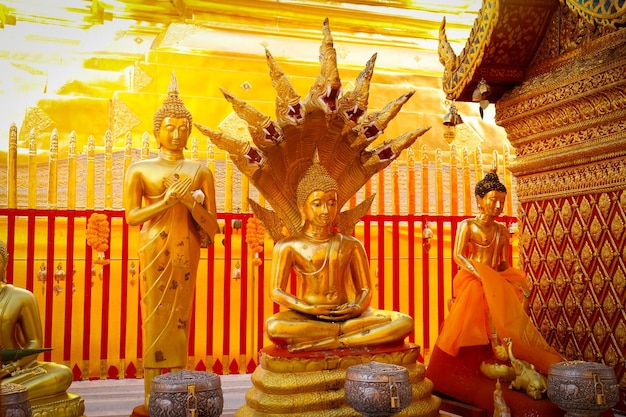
(173, 133)
(320, 208)
(492, 203)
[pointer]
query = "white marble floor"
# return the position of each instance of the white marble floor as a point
(118, 397)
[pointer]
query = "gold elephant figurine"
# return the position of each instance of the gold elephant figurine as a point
(527, 378)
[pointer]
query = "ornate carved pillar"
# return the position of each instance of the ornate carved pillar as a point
(567, 121)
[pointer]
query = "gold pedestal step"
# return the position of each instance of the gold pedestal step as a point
(312, 385)
(61, 405)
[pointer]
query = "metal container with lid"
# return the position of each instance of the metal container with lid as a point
(186, 394)
(378, 389)
(14, 401)
(582, 388)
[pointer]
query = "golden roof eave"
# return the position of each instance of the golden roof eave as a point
(501, 45)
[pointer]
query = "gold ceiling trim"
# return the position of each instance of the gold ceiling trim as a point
(459, 71)
(611, 13)
(576, 77)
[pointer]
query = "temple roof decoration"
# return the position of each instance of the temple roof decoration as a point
(502, 43)
(610, 13)
(505, 38)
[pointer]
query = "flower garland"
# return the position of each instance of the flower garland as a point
(255, 238)
(97, 235)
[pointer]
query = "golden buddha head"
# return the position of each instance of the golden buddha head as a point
(316, 196)
(173, 108)
(490, 195)
(316, 178)
(490, 182)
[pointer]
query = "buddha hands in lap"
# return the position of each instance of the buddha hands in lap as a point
(20, 328)
(331, 307)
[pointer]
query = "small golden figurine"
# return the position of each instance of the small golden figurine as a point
(500, 408)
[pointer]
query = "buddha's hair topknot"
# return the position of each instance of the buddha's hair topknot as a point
(316, 178)
(490, 182)
(172, 106)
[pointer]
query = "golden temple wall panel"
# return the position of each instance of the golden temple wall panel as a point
(567, 122)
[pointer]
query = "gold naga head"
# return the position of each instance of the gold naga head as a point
(321, 140)
(172, 106)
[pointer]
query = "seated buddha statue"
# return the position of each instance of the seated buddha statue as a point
(331, 307)
(488, 334)
(20, 329)
(490, 294)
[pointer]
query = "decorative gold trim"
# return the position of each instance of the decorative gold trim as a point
(62, 405)
(606, 13)
(602, 176)
(459, 71)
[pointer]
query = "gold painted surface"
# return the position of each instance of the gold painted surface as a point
(282, 364)
(567, 124)
(494, 50)
(566, 121)
(610, 13)
(64, 405)
(319, 392)
(127, 54)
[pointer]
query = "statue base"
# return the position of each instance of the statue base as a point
(311, 384)
(458, 378)
(60, 405)
(140, 411)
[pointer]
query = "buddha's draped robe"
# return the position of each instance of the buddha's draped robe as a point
(501, 294)
(169, 253)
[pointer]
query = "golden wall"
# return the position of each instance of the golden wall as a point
(567, 122)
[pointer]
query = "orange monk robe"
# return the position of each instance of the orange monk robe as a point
(499, 293)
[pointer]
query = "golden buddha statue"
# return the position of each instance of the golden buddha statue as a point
(307, 164)
(174, 199)
(331, 308)
(322, 141)
(20, 329)
(490, 294)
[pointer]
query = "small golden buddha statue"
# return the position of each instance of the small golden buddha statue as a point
(20, 329)
(490, 294)
(174, 199)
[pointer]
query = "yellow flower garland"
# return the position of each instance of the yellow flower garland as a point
(97, 235)
(255, 238)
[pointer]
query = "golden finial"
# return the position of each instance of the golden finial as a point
(494, 164)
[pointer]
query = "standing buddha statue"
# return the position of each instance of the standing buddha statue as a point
(173, 198)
